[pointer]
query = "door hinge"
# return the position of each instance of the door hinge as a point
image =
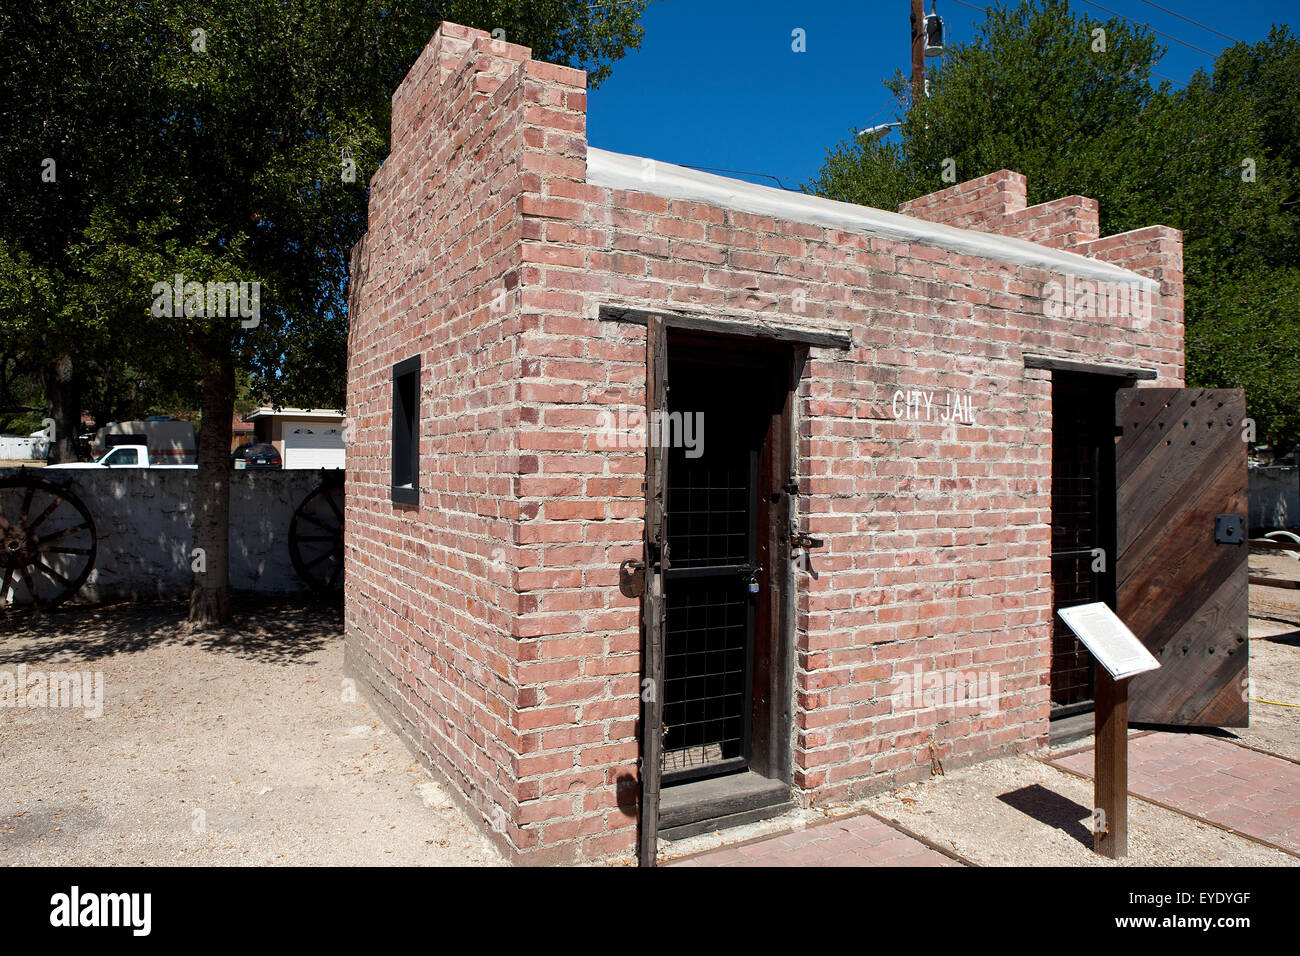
(1229, 529)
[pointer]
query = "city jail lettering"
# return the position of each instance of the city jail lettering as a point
(914, 405)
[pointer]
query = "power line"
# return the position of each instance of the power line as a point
(1197, 23)
(1190, 46)
(740, 172)
(984, 10)
(1167, 36)
(887, 105)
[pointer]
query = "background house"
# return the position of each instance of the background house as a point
(304, 437)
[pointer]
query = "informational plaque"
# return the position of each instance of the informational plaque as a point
(1109, 640)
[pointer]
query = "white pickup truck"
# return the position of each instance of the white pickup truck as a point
(121, 456)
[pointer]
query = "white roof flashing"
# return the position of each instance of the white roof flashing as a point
(294, 413)
(620, 171)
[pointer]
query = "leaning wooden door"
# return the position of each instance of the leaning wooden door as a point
(1181, 574)
(653, 610)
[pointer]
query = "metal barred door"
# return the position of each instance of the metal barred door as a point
(1181, 566)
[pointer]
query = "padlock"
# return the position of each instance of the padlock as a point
(753, 580)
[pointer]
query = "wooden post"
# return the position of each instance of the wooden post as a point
(918, 50)
(653, 608)
(1110, 773)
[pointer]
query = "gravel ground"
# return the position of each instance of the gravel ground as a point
(1274, 676)
(244, 747)
(1274, 658)
(239, 747)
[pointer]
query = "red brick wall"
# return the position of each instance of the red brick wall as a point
(520, 683)
(430, 589)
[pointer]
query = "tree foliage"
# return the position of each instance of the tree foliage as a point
(210, 139)
(1040, 91)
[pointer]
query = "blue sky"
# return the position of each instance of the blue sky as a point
(716, 83)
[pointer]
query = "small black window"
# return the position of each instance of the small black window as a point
(406, 431)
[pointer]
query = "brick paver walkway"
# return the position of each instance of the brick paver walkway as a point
(1252, 793)
(854, 841)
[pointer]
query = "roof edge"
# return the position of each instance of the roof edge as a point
(637, 174)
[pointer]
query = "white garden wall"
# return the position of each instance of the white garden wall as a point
(144, 521)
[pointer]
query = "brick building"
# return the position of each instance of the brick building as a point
(865, 411)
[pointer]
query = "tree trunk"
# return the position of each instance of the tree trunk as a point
(210, 590)
(63, 400)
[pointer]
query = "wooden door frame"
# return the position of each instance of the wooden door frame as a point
(655, 560)
(772, 754)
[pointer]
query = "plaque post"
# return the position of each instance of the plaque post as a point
(1110, 772)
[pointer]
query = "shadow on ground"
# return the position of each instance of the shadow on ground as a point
(1290, 638)
(1047, 806)
(272, 631)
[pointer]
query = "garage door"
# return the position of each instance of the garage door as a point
(312, 445)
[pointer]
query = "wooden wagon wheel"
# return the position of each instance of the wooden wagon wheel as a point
(47, 542)
(316, 538)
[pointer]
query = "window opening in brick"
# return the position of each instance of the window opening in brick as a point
(406, 431)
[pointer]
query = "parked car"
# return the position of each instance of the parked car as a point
(120, 456)
(252, 455)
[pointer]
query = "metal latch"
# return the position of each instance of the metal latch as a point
(803, 540)
(631, 573)
(631, 578)
(1229, 529)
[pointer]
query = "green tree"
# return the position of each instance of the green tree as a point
(206, 140)
(1041, 91)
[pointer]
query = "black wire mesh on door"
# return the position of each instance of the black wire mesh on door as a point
(1078, 538)
(704, 675)
(706, 654)
(708, 514)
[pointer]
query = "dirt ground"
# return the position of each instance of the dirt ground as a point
(213, 748)
(247, 747)
(1021, 812)
(1274, 656)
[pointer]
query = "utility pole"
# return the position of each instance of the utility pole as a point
(918, 50)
